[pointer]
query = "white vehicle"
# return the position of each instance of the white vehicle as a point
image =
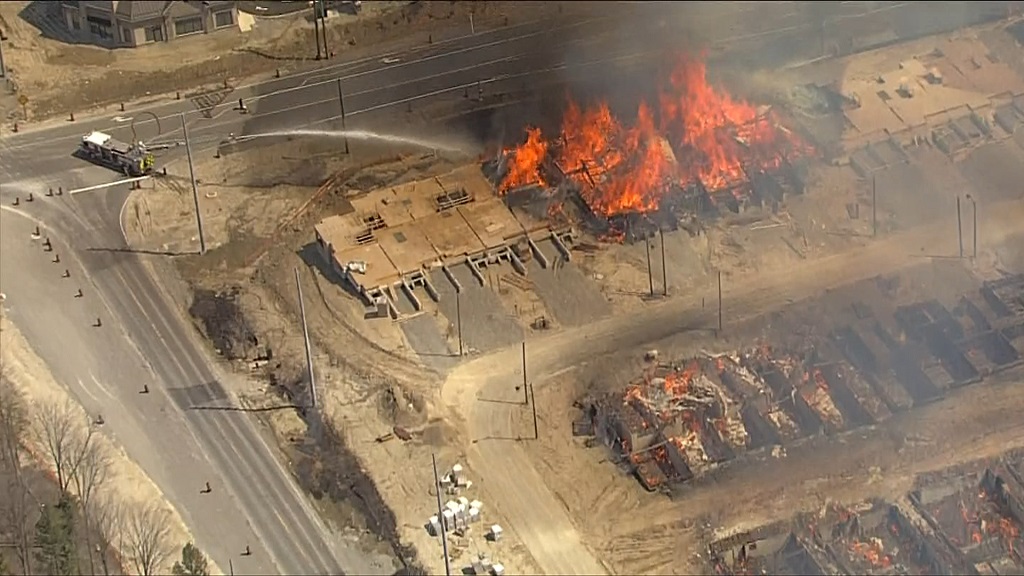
(391, 60)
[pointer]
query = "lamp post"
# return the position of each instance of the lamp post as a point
(974, 226)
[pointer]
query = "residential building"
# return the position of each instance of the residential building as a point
(138, 22)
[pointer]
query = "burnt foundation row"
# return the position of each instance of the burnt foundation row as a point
(955, 522)
(678, 420)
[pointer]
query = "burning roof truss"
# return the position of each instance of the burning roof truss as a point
(697, 152)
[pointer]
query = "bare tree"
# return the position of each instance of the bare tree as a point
(16, 502)
(107, 515)
(16, 506)
(146, 530)
(12, 422)
(60, 431)
(90, 472)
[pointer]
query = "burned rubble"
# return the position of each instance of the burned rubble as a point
(677, 421)
(960, 521)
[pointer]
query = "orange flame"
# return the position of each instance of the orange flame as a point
(873, 552)
(525, 161)
(630, 169)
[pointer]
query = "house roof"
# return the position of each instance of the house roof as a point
(139, 10)
(136, 10)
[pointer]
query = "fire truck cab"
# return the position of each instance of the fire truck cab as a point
(130, 159)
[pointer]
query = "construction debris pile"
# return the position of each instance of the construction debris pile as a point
(698, 152)
(457, 521)
(678, 421)
(956, 522)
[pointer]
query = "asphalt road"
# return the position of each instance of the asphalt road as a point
(187, 431)
(377, 89)
(147, 334)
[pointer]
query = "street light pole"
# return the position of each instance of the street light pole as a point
(664, 270)
(959, 228)
(195, 188)
(650, 274)
(323, 28)
(974, 227)
(341, 101)
(874, 208)
(526, 397)
(719, 301)
(458, 319)
(305, 339)
(440, 518)
(316, 31)
(533, 407)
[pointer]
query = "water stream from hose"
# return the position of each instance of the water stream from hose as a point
(365, 135)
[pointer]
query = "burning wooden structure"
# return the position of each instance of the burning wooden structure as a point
(960, 521)
(698, 153)
(980, 516)
(678, 421)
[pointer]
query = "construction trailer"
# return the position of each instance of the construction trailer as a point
(129, 159)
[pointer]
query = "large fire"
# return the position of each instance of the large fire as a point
(696, 133)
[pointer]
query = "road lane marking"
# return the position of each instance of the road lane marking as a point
(557, 68)
(108, 185)
(42, 139)
(164, 320)
(188, 427)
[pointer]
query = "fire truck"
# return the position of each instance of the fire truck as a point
(131, 159)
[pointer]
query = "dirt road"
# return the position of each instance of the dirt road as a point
(533, 512)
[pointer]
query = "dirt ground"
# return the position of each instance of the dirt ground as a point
(125, 484)
(45, 69)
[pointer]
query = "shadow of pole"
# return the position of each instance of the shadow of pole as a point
(244, 409)
(139, 251)
(499, 438)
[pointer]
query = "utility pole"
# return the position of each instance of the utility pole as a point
(719, 301)
(533, 406)
(440, 518)
(231, 567)
(3, 68)
(341, 101)
(323, 28)
(874, 208)
(305, 339)
(195, 188)
(458, 319)
(526, 397)
(664, 270)
(650, 274)
(316, 29)
(959, 228)
(472, 29)
(974, 227)
(974, 207)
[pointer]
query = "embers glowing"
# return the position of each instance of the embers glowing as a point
(697, 134)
